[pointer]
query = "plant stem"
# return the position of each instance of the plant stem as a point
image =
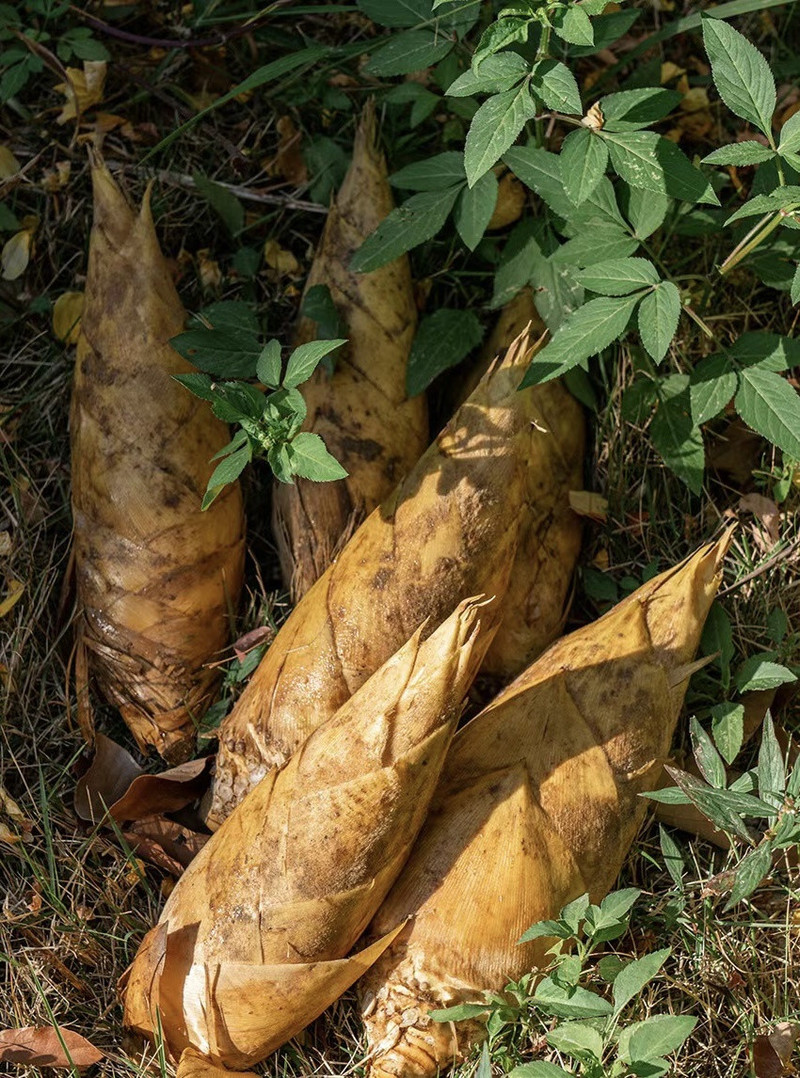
(745, 248)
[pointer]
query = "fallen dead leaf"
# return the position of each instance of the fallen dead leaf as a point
(588, 504)
(9, 165)
(165, 843)
(772, 1052)
(7, 835)
(14, 590)
(511, 196)
(769, 516)
(109, 777)
(208, 271)
(44, 1046)
(67, 311)
(8, 806)
(5, 544)
(83, 90)
(252, 640)
(57, 179)
(279, 259)
(16, 255)
(288, 161)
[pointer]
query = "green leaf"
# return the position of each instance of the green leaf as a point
(396, 13)
(226, 352)
(748, 152)
(630, 109)
(600, 208)
(544, 930)
(569, 1002)
(498, 35)
(630, 981)
(495, 74)
(717, 637)
(226, 205)
(741, 74)
(599, 242)
(759, 672)
(586, 332)
(557, 294)
(659, 313)
(540, 1068)
(227, 471)
(654, 1037)
(540, 170)
(409, 51)
(474, 209)
(616, 906)
(607, 29)
(712, 385)
(303, 361)
(584, 157)
(646, 211)
(673, 858)
(769, 351)
(573, 25)
(768, 404)
(443, 339)
(521, 256)
(794, 295)
(675, 435)
(750, 872)
(706, 756)
(785, 198)
(727, 726)
(494, 128)
(722, 807)
(644, 159)
(557, 87)
(417, 220)
(318, 306)
(268, 368)
(577, 1039)
(199, 384)
(771, 770)
(790, 135)
(311, 460)
(573, 913)
(618, 276)
(432, 173)
(460, 1013)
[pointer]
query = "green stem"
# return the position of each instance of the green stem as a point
(744, 249)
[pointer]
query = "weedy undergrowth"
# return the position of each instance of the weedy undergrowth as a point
(597, 1034)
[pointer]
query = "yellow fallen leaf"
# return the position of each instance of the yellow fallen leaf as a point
(13, 595)
(208, 270)
(9, 165)
(279, 259)
(5, 544)
(588, 504)
(57, 178)
(67, 311)
(9, 806)
(16, 255)
(84, 89)
(7, 835)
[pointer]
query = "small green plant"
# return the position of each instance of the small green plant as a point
(592, 1030)
(268, 423)
(758, 809)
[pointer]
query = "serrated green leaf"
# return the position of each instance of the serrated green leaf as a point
(268, 367)
(417, 220)
(646, 211)
(227, 352)
(644, 159)
(785, 198)
(431, 174)
(545, 929)
(599, 242)
(474, 209)
(741, 74)
(748, 152)
(318, 306)
(673, 858)
(586, 332)
(654, 1037)
(795, 290)
(607, 29)
(460, 1013)
(630, 981)
(443, 339)
(674, 434)
(227, 471)
(573, 25)
(409, 51)
(303, 360)
(768, 404)
(631, 109)
(521, 256)
(557, 87)
(226, 313)
(727, 727)
(499, 35)
(494, 128)
(540, 1068)
(717, 638)
(659, 313)
(222, 201)
(729, 801)
(758, 673)
(712, 385)
(310, 459)
(573, 913)
(577, 1039)
(494, 75)
(770, 770)
(767, 351)
(706, 756)
(557, 294)
(540, 170)
(584, 157)
(790, 136)
(199, 384)
(569, 1003)
(749, 873)
(618, 276)
(396, 13)
(600, 208)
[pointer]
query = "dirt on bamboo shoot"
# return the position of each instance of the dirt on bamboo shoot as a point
(538, 804)
(155, 576)
(252, 943)
(361, 411)
(450, 529)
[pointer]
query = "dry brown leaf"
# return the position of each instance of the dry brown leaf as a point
(57, 179)
(6, 546)
(280, 260)
(9, 806)
(14, 591)
(671, 72)
(586, 503)
(9, 165)
(772, 1052)
(511, 196)
(208, 271)
(251, 640)
(84, 89)
(67, 311)
(767, 512)
(288, 162)
(44, 1046)
(165, 843)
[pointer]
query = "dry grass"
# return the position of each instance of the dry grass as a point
(74, 904)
